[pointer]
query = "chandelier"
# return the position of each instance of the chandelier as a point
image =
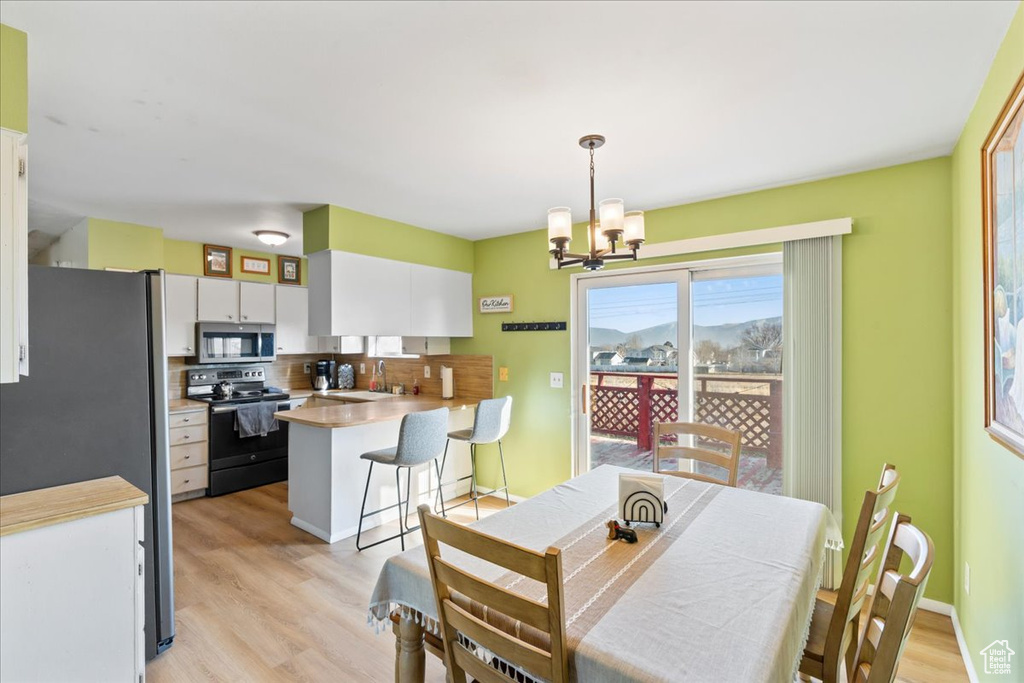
(615, 223)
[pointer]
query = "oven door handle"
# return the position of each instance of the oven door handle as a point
(283, 405)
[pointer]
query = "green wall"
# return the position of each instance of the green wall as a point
(897, 334)
(334, 227)
(13, 79)
(113, 244)
(989, 478)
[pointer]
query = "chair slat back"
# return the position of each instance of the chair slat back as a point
(729, 461)
(875, 512)
(474, 612)
(894, 603)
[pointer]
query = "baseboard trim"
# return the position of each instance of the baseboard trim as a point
(965, 654)
(936, 606)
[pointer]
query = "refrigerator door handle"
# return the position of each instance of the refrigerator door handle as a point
(164, 569)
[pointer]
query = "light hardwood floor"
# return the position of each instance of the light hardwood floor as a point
(256, 599)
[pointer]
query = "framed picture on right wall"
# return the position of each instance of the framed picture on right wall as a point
(1002, 183)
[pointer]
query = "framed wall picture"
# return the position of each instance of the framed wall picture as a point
(1002, 182)
(289, 270)
(259, 266)
(216, 260)
(501, 303)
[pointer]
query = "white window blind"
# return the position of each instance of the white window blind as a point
(812, 392)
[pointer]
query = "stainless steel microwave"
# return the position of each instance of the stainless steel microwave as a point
(230, 343)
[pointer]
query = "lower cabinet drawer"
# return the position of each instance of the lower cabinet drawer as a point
(188, 479)
(188, 455)
(181, 435)
(196, 417)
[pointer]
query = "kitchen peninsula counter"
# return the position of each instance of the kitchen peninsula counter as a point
(381, 410)
(326, 477)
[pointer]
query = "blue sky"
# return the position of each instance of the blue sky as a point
(715, 302)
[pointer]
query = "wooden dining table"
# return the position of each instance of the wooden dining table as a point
(723, 590)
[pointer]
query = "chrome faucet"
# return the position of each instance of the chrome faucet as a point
(382, 372)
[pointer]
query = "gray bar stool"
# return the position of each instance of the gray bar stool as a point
(490, 424)
(421, 439)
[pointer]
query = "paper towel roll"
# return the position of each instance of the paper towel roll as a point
(447, 383)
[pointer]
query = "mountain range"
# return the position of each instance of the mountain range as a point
(727, 334)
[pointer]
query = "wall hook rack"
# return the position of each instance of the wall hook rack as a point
(533, 327)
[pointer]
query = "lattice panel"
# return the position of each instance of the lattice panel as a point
(664, 406)
(750, 415)
(615, 410)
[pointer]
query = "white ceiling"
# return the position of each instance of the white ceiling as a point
(213, 119)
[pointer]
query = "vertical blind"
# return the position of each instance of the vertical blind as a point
(812, 391)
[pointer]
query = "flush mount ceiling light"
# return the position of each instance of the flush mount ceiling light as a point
(615, 223)
(272, 237)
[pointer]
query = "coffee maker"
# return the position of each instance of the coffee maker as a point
(325, 375)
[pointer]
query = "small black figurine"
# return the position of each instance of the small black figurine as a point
(616, 533)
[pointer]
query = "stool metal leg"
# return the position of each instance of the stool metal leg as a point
(362, 508)
(440, 496)
(472, 456)
(504, 479)
(440, 484)
(398, 492)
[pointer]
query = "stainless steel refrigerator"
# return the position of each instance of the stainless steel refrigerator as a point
(95, 404)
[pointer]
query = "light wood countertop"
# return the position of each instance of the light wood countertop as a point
(184, 405)
(354, 414)
(45, 507)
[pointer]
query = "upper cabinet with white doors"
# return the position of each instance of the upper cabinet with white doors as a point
(352, 294)
(256, 302)
(13, 256)
(180, 292)
(345, 344)
(293, 320)
(235, 302)
(441, 303)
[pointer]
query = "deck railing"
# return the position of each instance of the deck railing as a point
(633, 402)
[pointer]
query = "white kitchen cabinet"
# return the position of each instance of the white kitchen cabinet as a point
(441, 302)
(255, 302)
(72, 593)
(293, 321)
(427, 346)
(352, 294)
(218, 300)
(13, 256)
(341, 344)
(180, 293)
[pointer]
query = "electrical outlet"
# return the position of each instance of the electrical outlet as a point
(305, 368)
(967, 578)
(502, 374)
(426, 372)
(362, 368)
(556, 380)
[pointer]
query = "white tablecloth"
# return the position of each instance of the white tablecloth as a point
(728, 597)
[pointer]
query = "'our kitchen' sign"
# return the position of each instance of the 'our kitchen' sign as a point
(496, 304)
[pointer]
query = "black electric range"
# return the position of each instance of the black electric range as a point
(236, 462)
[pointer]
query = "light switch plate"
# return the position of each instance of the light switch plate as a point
(502, 374)
(556, 380)
(426, 372)
(362, 368)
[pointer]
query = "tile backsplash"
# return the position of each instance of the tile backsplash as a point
(286, 372)
(473, 374)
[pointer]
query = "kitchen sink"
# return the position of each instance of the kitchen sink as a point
(359, 396)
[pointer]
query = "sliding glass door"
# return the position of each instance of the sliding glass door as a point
(680, 344)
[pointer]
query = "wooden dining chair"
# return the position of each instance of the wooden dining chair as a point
(834, 628)
(474, 613)
(730, 462)
(894, 603)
